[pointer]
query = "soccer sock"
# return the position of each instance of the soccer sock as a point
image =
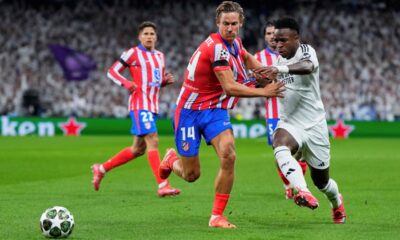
(220, 201)
(331, 191)
(284, 180)
(303, 166)
(290, 168)
(154, 160)
(120, 158)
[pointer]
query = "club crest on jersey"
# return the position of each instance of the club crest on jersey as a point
(157, 74)
(185, 146)
(147, 125)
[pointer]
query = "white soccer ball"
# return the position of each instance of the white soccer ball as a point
(57, 222)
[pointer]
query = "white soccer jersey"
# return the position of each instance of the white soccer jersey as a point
(302, 105)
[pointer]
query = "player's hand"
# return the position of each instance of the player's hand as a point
(274, 89)
(168, 78)
(130, 86)
(269, 72)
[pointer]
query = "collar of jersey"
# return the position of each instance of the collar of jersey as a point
(233, 53)
(141, 47)
(270, 51)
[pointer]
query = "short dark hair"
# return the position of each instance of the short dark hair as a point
(268, 24)
(146, 24)
(287, 23)
(227, 7)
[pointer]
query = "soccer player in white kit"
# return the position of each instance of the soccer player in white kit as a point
(302, 126)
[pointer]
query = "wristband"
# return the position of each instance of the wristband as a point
(283, 69)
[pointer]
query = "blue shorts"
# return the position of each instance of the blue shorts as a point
(189, 125)
(271, 126)
(143, 122)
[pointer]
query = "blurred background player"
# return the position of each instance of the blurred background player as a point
(147, 69)
(214, 79)
(268, 57)
(302, 126)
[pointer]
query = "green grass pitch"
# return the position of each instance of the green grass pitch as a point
(36, 173)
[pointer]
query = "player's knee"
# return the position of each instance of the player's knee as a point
(191, 176)
(138, 151)
(228, 160)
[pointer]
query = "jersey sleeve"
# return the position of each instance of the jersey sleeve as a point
(308, 53)
(114, 72)
(220, 58)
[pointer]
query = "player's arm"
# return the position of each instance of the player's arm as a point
(168, 79)
(252, 62)
(303, 67)
(232, 88)
(114, 72)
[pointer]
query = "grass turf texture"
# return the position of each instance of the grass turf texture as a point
(36, 173)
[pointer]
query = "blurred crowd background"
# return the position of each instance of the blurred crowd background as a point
(357, 43)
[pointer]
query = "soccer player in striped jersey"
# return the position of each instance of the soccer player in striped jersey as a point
(302, 126)
(215, 78)
(147, 69)
(268, 57)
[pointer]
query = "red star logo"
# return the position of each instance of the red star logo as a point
(341, 130)
(72, 127)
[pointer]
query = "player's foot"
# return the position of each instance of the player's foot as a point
(97, 176)
(289, 193)
(305, 199)
(338, 214)
(167, 190)
(220, 222)
(165, 168)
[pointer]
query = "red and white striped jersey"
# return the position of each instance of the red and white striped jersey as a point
(267, 57)
(201, 88)
(147, 72)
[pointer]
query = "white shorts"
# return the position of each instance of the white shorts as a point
(313, 143)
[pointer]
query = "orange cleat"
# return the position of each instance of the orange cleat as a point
(97, 176)
(220, 222)
(165, 168)
(306, 199)
(338, 214)
(167, 190)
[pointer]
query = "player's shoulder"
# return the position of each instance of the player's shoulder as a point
(305, 51)
(158, 52)
(127, 53)
(306, 48)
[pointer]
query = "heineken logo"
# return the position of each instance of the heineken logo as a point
(10, 127)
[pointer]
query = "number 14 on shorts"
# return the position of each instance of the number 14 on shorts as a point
(188, 132)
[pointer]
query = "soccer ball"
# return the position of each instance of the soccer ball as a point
(57, 222)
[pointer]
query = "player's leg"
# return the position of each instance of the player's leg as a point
(187, 141)
(224, 146)
(217, 131)
(318, 156)
(127, 154)
(287, 140)
(153, 156)
(286, 184)
(330, 188)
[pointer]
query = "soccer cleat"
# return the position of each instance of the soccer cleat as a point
(305, 199)
(289, 193)
(220, 222)
(165, 168)
(338, 214)
(167, 190)
(97, 176)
